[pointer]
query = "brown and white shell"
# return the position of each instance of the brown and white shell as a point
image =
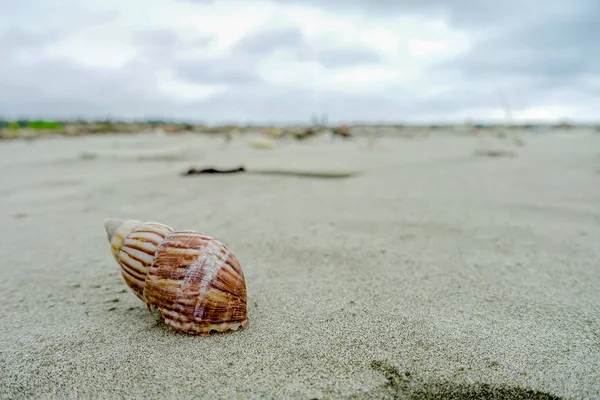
(194, 280)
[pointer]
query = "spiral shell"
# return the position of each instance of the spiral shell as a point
(194, 280)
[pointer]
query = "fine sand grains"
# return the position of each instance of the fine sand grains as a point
(426, 272)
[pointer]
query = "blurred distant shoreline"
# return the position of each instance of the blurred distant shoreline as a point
(29, 129)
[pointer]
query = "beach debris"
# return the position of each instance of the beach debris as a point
(303, 134)
(315, 174)
(197, 171)
(193, 279)
(261, 143)
(495, 153)
(343, 131)
(272, 132)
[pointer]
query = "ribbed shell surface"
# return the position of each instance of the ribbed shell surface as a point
(137, 252)
(197, 284)
(194, 280)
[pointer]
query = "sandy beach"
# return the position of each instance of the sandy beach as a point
(422, 271)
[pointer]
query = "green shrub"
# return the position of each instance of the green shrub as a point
(44, 125)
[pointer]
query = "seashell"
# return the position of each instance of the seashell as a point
(194, 280)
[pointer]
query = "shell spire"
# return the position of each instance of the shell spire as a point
(111, 225)
(194, 280)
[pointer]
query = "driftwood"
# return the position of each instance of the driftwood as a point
(195, 171)
(275, 172)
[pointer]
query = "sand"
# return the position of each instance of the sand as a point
(432, 272)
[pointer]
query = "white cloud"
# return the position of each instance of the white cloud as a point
(543, 113)
(174, 55)
(103, 46)
(172, 87)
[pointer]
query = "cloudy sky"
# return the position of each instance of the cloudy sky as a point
(281, 61)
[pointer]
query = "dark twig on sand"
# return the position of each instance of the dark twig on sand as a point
(195, 171)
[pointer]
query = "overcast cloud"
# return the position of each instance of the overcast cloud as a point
(356, 60)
